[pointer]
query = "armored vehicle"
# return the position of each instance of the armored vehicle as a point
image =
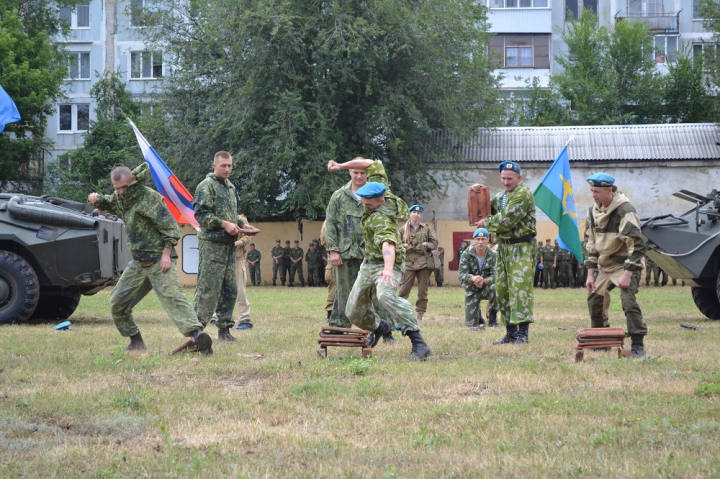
(687, 247)
(51, 252)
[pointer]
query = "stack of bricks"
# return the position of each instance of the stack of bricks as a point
(344, 338)
(599, 338)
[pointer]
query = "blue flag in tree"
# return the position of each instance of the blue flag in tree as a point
(554, 195)
(8, 111)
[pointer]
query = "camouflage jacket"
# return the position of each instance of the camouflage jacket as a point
(149, 225)
(614, 239)
(312, 257)
(277, 252)
(517, 218)
(215, 202)
(343, 215)
(469, 267)
(564, 256)
(253, 255)
(379, 226)
(297, 253)
(416, 253)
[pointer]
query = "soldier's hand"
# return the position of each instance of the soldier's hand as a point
(335, 258)
(476, 187)
(624, 281)
(165, 262)
(590, 283)
(231, 228)
(387, 276)
(93, 198)
(480, 223)
(332, 166)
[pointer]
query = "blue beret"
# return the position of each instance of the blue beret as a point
(371, 190)
(419, 208)
(509, 165)
(600, 179)
(482, 232)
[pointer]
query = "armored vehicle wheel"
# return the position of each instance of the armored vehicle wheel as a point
(53, 308)
(707, 302)
(19, 288)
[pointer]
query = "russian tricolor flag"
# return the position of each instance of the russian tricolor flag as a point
(177, 198)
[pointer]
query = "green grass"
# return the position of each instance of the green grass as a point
(75, 404)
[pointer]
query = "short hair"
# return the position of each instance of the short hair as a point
(222, 154)
(120, 173)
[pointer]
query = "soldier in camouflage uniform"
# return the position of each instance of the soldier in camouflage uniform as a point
(287, 263)
(253, 258)
(439, 272)
(380, 274)
(418, 240)
(582, 270)
(344, 235)
(537, 280)
(476, 274)
(296, 264)
(564, 263)
(312, 258)
(616, 250)
(278, 259)
(152, 234)
(215, 206)
(548, 262)
(513, 222)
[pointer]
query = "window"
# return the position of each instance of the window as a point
(78, 18)
(705, 54)
(136, 13)
(521, 51)
(518, 3)
(74, 118)
(644, 8)
(696, 9)
(145, 65)
(665, 48)
(79, 66)
(573, 8)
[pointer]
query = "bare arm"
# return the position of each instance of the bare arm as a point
(358, 163)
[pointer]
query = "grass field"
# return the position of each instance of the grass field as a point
(74, 404)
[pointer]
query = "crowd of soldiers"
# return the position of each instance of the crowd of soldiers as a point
(287, 262)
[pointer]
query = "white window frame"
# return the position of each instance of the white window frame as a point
(73, 117)
(519, 56)
(142, 53)
(660, 55)
(74, 17)
(503, 4)
(76, 58)
(703, 47)
(141, 7)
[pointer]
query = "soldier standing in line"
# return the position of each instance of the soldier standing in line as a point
(548, 262)
(278, 259)
(380, 273)
(582, 270)
(440, 270)
(513, 222)
(152, 234)
(476, 274)
(215, 207)
(253, 259)
(322, 253)
(418, 240)
(296, 264)
(312, 258)
(564, 262)
(616, 250)
(286, 262)
(537, 280)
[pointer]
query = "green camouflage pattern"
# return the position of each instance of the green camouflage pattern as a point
(379, 226)
(279, 265)
(439, 273)
(215, 201)
(473, 294)
(216, 290)
(376, 173)
(517, 218)
(312, 258)
(342, 224)
(548, 275)
(514, 282)
(564, 265)
(296, 254)
(255, 274)
(149, 225)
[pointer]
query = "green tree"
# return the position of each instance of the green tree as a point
(538, 106)
(686, 91)
(609, 76)
(287, 85)
(109, 142)
(32, 70)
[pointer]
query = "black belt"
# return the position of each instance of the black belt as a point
(524, 239)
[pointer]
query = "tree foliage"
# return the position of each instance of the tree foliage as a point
(286, 85)
(32, 70)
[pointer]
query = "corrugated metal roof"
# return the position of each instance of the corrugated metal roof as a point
(686, 141)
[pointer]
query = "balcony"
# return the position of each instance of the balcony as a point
(652, 13)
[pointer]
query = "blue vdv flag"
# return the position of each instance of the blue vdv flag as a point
(8, 111)
(554, 195)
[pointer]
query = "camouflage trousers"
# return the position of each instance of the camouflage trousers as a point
(299, 269)
(330, 280)
(371, 295)
(216, 289)
(345, 277)
(313, 278)
(255, 274)
(136, 282)
(278, 267)
(548, 275)
(241, 275)
(564, 272)
(514, 272)
(473, 296)
(581, 276)
(599, 304)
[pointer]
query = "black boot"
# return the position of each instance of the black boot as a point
(492, 319)
(374, 337)
(510, 335)
(328, 315)
(203, 342)
(637, 348)
(136, 343)
(274, 283)
(224, 335)
(420, 349)
(522, 336)
(389, 339)
(439, 284)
